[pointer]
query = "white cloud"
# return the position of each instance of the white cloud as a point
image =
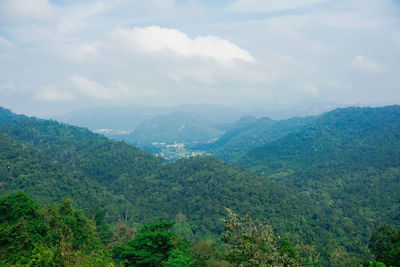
(26, 9)
(6, 87)
(270, 5)
(348, 19)
(50, 93)
(155, 39)
(4, 43)
(339, 86)
(115, 91)
(308, 88)
(366, 64)
(75, 18)
(84, 52)
(198, 75)
(199, 52)
(396, 39)
(91, 88)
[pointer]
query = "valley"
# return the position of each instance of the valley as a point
(318, 181)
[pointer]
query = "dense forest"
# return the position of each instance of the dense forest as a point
(323, 184)
(59, 235)
(249, 133)
(348, 159)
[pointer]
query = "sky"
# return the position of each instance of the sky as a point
(61, 55)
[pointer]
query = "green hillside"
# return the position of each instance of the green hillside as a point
(129, 183)
(249, 133)
(348, 160)
(332, 218)
(340, 141)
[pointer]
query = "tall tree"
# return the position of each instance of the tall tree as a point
(253, 244)
(154, 245)
(385, 245)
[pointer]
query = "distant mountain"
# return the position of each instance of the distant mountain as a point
(174, 127)
(242, 125)
(155, 128)
(215, 114)
(129, 117)
(249, 133)
(116, 122)
(122, 118)
(281, 112)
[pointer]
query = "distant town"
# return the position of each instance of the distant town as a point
(175, 151)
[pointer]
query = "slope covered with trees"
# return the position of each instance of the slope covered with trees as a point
(348, 160)
(249, 133)
(51, 161)
(127, 182)
(53, 235)
(344, 139)
(32, 234)
(329, 221)
(24, 167)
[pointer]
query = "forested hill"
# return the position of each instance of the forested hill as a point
(78, 147)
(342, 140)
(49, 161)
(349, 155)
(347, 159)
(249, 133)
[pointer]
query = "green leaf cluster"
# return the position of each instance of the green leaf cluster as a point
(154, 245)
(385, 245)
(255, 244)
(54, 235)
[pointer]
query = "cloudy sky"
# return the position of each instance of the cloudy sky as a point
(60, 55)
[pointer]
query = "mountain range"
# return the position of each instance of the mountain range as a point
(323, 182)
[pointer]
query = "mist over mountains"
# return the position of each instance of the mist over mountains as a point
(129, 117)
(153, 128)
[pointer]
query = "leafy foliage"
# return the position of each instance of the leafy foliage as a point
(385, 245)
(249, 133)
(253, 244)
(47, 235)
(22, 228)
(154, 245)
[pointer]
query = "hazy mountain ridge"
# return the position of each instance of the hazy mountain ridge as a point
(174, 127)
(194, 127)
(129, 117)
